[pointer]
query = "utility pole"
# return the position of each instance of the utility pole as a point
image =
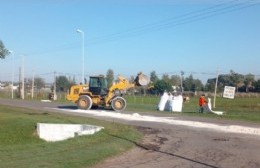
(182, 73)
(216, 87)
(12, 89)
(20, 82)
(22, 74)
(54, 87)
(32, 85)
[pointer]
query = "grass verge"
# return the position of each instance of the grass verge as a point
(243, 109)
(21, 147)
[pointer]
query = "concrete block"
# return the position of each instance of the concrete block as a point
(57, 132)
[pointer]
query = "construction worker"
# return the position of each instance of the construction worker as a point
(202, 103)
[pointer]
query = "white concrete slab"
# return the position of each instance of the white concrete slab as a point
(57, 132)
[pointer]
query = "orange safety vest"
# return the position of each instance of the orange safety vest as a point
(202, 101)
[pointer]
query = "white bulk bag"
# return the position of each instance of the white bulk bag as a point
(168, 106)
(177, 103)
(163, 101)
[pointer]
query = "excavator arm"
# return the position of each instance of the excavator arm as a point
(117, 88)
(123, 84)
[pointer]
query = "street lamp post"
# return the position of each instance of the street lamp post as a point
(22, 77)
(216, 87)
(83, 59)
(182, 73)
(12, 89)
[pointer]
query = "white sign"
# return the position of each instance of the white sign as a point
(229, 92)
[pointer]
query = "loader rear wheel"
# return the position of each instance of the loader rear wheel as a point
(118, 104)
(84, 102)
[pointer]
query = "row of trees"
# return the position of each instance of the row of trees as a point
(179, 83)
(174, 83)
(243, 83)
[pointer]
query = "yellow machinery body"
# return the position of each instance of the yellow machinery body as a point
(97, 94)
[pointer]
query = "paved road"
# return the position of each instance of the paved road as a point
(170, 146)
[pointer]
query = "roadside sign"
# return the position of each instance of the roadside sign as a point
(229, 92)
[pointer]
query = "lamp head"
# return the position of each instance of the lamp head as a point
(79, 31)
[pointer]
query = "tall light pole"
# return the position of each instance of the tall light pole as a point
(83, 59)
(216, 88)
(22, 74)
(12, 89)
(54, 87)
(182, 73)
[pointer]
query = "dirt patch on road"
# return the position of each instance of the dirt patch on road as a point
(182, 147)
(139, 155)
(151, 140)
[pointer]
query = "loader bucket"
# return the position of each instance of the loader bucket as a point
(142, 80)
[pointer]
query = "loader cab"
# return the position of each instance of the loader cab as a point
(98, 85)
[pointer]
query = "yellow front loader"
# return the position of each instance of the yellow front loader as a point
(96, 93)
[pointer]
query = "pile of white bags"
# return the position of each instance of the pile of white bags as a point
(169, 102)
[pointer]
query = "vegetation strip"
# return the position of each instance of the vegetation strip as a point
(21, 147)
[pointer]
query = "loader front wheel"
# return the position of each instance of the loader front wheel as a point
(118, 104)
(84, 102)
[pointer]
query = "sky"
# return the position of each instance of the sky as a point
(198, 37)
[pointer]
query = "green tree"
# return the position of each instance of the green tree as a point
(175, 80)
(166, 78)
(224, 80)
(191, 84)
(231, 79)
(72, 80)
(236, 78)
(210, 85)
(39, 82)
(110, 77)
(27, 84)
(3, 51)
(153, 76)
(62, 83)
(256, 85)
(248, 81)
(161, 85)
(198, 85)
(188, 82)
